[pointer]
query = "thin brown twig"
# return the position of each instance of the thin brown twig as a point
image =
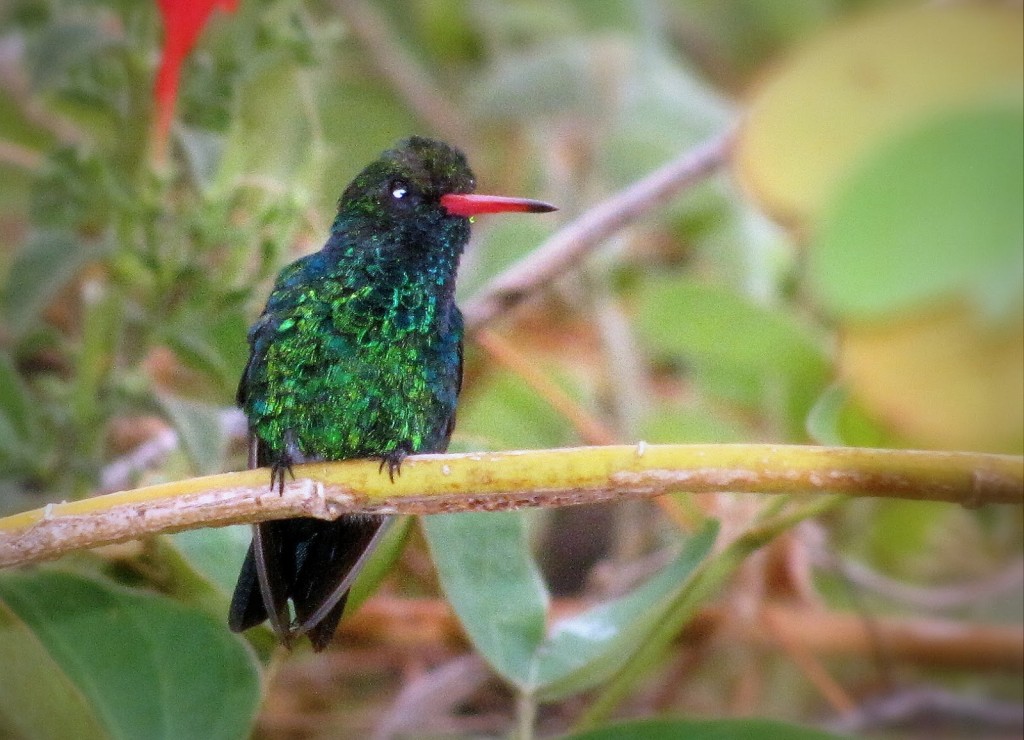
(404, 73)
(809, 665)
(19, 156)
(947, 643)
(937, 598)
(591, 429)
(573, 242)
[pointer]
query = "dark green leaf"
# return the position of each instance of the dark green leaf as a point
(709, 729)
(145, 665)
(37, 699)
(42, 267)
(199, 426)
(494, 585)
(584, 650)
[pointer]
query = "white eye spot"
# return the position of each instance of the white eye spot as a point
(398, 193)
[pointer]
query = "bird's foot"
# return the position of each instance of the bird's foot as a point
(277, 473)
(393, 460)
(292, 455)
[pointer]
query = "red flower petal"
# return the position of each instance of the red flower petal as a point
(183, 22)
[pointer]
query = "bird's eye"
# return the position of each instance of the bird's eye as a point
(399, 190)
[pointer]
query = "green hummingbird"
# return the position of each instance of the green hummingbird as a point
(358, 354)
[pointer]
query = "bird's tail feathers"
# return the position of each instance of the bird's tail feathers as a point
(309, 561)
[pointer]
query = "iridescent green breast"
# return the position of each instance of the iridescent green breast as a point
(343, 371)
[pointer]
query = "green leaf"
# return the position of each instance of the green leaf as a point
(498, 245)
(494, 585)
(938, 212)
(199, 426)
(146, 666)
(715, 324)
(903, 534)
(740, 351)
(675, 424)
(545, 80)
(37, 700)
(42, 267)
(19, 429)
(379, 565)
(710, 729)
(210, 338)
(836, 419)
(584, 650)
(215, 554)
(360, 118)
(270, 109)
(505, 413)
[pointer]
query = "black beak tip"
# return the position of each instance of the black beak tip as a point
(539, 206)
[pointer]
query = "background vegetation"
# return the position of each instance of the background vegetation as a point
(851, 275)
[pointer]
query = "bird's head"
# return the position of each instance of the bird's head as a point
(422, 183)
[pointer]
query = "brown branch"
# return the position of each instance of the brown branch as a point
(590, 429)
(807, 663)
(576, 240)
(22, 157)
(433, 484)
(931, 707)
(938, 643)
(936, 597)
(404, 73)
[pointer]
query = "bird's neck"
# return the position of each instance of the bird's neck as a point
(404, 283)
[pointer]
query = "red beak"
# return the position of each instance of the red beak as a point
(466, 204)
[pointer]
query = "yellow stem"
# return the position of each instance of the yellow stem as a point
(431, 484)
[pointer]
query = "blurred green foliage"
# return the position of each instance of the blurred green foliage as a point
(128, 286)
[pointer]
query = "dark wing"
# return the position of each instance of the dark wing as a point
(263, 582)
(311, 561)
(333, 554)
(450, 423)
(269, 566)
(259, 341)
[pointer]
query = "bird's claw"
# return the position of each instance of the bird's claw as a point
(277, 473)
(393, 460)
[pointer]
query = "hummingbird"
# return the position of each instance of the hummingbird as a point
(357, 354)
